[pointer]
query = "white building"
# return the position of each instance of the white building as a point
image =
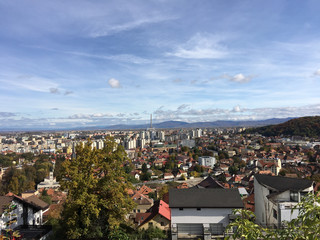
(201, 212)
(275, 197)
(161, 136)
(198, 132)
(207, 161)
(15, 211)
(49, 182)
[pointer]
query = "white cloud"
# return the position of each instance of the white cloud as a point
(317, 73)
(114, 83)
(236, 109)
(201, 47)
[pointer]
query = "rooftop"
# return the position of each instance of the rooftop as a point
(282, 184)
(205, 198)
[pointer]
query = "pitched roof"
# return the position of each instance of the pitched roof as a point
(282, 184)
(159, 207)
(209, 182)
(36, 202)
(205, 198)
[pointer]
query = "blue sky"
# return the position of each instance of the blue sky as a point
(88, 63)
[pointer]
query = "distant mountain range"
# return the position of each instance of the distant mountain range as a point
(304, 126)
(215, 124)
(167, 125)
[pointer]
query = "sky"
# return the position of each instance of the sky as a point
(76, 63)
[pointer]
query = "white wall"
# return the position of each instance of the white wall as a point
(287, 216)
(13, 214)
(261, 202)
(205, 215)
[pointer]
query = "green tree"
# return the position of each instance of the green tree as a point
(244, 226)
(233, 170)
(144, 168)
(97, 191)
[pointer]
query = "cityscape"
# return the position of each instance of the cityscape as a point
(159, 120)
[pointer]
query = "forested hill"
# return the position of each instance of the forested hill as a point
(304, 126)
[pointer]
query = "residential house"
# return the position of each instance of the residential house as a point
(143, 202)
(168, 176)
(201, 212)
(209, 182)
(273, 165)
(23, 214)
(159, 215)
(275, 198)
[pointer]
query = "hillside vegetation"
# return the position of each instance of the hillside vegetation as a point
(304, 126)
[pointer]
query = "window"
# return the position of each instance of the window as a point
(180, 209)
(294, 196)
(198, 209)
(275, 214)
(162, 223)
(150, 224)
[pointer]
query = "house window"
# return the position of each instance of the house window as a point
(198, 209)
(294, 196)
(180, 209)
(38, 220)
(162, 223)
(275, 214)
(150, 224)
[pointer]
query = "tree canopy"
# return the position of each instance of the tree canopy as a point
(97, 187)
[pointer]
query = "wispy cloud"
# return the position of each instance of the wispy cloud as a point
(7, 114)
(54, 90)
(68, 92)
(32, 83)
(201, 46)
(239, 78)
(103, 30)
(90, 116)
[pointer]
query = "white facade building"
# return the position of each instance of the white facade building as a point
(201, 213)
(207, 161)
(275, 197)
(49, 182)
(15, 211)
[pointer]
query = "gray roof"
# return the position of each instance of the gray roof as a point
(204, 198)
(282, 184)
